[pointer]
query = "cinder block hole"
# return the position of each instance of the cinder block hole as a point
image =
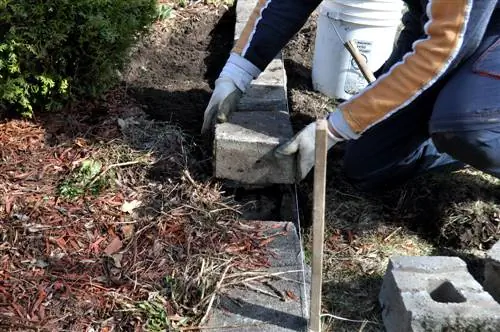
(447, 293)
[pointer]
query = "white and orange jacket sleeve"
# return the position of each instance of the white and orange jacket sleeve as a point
(453, 32)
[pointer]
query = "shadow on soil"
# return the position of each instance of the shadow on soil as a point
(181, 95)
(354, 299)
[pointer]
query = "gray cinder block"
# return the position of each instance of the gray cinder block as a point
(242, 309)
(244, 148)
(268, 91)
(243, 145)
(435, 294)
(492, 272)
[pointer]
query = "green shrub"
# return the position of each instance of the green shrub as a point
(55, 51)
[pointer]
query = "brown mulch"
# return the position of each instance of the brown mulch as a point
(149, 247)
(68, 264)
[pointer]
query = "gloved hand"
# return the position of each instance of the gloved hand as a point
(303, 143)
(224, 100)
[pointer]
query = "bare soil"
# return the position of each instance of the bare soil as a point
(173, 71)
(305, 103)
(60, 262)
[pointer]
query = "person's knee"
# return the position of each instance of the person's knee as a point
(356, 175)
(360, 180)
(478, 148)
(367, 176)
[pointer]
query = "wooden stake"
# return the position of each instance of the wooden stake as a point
(318, 223)
(360, 61)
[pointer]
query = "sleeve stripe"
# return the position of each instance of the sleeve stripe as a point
(247, 34)
(418, 70)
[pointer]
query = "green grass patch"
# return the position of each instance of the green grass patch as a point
(88, 178)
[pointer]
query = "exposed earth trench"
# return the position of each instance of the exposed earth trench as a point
(169, 80)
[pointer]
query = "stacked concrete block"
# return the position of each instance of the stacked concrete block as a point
(492, 272)
(285, 307)
(243, 146)
(435, 294)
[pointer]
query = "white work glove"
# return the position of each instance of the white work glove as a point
(303, 143)
(224, 100)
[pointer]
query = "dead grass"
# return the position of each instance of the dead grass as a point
(439, 214)
(149, 248)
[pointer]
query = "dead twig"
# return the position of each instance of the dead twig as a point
(349, 320)
(280, 294)
(212, 298)
(392, 234)
(262, 291)
(261, 276)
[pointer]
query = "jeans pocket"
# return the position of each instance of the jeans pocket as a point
(488, 63)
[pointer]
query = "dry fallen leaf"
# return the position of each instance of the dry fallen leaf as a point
(128, 207)
(234, 248)
(266, 241)
(114, 246)
(291, 295)
(128, 231)
(117, 260)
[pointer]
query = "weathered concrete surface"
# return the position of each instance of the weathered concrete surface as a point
(244, 9)
(268, 91)
(244, 148)
(244, 145)
(243, 309)
(492, 272)
(435, 294)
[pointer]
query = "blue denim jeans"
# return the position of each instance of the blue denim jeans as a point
(455, 123)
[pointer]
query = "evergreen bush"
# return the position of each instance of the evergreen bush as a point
(55, 51)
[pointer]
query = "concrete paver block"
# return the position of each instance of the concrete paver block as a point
(492, 272)
(268, 91)
(435, 294)
(246, 310)
(244, 9)
(286, 247)
(245, 144)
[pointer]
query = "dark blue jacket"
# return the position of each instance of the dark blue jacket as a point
(438, 36)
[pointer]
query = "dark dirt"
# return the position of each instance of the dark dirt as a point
(172, 73)
(305, 103)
